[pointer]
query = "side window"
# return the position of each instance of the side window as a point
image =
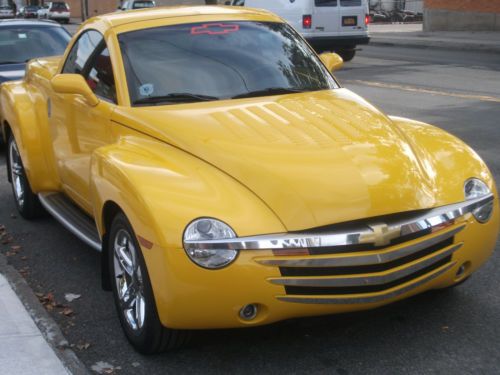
(81, 52)
(100, 77)
(89, 57)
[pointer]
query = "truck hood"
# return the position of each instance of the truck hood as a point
(314, 158)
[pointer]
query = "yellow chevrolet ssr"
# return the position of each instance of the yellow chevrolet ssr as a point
(229, 180)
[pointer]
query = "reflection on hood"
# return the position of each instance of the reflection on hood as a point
(11, 72)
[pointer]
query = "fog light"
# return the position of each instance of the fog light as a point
(462, 270)
(248, 312)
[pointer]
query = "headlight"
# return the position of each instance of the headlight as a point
(475, 188)
(209, 229)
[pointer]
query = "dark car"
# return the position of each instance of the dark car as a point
(22, 40)
(29, 12)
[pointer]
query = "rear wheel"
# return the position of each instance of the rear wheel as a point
(27, 202)
(347, 54)
(133, 293)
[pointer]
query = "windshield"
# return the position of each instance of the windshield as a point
(212, 61)
(20, 43)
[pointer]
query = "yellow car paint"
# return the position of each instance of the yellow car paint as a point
(263, 165)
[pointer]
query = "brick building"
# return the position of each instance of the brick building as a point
(468, 15)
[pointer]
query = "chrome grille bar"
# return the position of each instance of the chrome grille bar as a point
(367, 280)
(343, 300)
(354, 259)
(378, 234)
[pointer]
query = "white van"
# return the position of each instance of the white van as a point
(328, 25)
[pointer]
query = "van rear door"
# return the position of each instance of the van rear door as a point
(352, 16)
(326, 17)
(292, 11)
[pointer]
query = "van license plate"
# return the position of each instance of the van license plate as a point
(350, 21)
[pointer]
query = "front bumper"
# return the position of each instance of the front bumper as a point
(308, 278)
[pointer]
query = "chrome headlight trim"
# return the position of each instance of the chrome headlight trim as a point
(475, 188)
(378, 234)
(209, 229)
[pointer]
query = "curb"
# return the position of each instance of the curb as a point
(48, 327)
(429, 44)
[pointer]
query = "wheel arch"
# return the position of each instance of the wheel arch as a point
(24, 117)
(5, 132)
(109, 211)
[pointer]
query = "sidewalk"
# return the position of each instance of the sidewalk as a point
(412, 35)
(24, 345)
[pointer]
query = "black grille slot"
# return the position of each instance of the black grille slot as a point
(334, 271)
(301, 290)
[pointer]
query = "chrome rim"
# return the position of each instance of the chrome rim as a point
(16, 173)
(128, 278)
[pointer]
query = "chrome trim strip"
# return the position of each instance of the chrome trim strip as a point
(343, 300)
(360, 280)
(71, 225)
(354, 259)
(375, 233)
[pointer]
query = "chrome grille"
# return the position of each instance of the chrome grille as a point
(363, 261)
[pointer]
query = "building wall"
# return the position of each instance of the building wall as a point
(463, 15)
(97, 7)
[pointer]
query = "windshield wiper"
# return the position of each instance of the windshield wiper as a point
(268, 91)
(10, 62)
(178, 97)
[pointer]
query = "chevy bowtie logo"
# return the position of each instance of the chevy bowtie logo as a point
(382, 234)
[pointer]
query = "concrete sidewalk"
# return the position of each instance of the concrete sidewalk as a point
(24, 350)
(30, 341)
(411, 35)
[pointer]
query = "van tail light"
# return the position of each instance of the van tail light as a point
(367, 19)
(306, 21)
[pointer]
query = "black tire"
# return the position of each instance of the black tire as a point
(347, 54)
(151, 336)
(27, 202)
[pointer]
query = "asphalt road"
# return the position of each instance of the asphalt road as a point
(456, 331)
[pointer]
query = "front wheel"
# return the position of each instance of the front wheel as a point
(133, 293)
(27, 202)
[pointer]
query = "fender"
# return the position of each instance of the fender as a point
(24, 111)
(161, 189)
(447, 159)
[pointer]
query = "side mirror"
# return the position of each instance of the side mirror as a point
(74, 84)
(332, 61)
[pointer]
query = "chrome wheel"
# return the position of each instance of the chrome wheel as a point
(129, 281)
(17, 174)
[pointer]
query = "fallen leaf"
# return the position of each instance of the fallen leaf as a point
(24, 258)
(83, 346)
(13, 216)
(15, 248)
(67, 311)
(70, 297)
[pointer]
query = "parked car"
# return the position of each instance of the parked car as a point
(7, 11)
(136, 4)
(28, 12)
(228, 188)
(21, 41)
(328, 25)
(56, 11)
